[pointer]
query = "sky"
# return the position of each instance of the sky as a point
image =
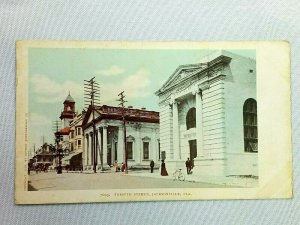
(54, 72)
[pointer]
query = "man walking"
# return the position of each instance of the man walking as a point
(188, 165)
(152, 165)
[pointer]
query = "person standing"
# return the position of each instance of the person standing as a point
(163, 171)
(116, 166)
(152, 165)
(188, 165)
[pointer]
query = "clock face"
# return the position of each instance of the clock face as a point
(68, 108)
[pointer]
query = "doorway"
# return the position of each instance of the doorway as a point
(193, 149)
(109, 157)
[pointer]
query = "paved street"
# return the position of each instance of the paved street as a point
(109, 180)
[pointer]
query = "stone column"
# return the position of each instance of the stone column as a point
(105, 143)
(176, 150)
(91, 149)
(199, 123)
(137, 146)
(153, 153)
(121, 152)
(86, 149)
(98, 147)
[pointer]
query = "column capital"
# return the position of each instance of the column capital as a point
(203, 86)
(174, 102)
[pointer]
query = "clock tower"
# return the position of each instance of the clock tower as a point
(69, 111)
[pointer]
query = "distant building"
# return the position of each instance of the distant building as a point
(208, 113)
(142, 137)
(74, 159)
(45, 156)
(69, 138)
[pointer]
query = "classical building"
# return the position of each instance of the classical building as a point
(142, 137)
(208, 114)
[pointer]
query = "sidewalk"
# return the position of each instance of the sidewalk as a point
(227, 181)
(232, 181)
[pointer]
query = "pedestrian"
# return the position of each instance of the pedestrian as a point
(123, 167)
(188, 165)
(28, 169)
(152, 165)
(116, 166)
(163, 171)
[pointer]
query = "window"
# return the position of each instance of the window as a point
(146, 150)
(191, 118)
(79, 143)
(129, 150)
(78, 131)
(250, 125)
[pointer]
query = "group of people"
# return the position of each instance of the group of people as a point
(117, 168)
(37, 167)
(163, 172)
(189, 166)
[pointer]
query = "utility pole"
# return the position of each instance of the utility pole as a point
(122, 101)
(92, 98)
(59, 152)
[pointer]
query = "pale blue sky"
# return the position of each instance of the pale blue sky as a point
(53, 72)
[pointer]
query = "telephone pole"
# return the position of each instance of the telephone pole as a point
(59, 152)
(122, 101)
(92, 98)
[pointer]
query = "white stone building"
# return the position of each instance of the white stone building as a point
(208, 113)
(142, 137)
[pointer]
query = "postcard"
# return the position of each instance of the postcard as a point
(152, 121)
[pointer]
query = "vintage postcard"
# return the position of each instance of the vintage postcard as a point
(152, 121)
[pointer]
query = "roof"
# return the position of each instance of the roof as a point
(115, 113)
(69, 98)
(63, 131)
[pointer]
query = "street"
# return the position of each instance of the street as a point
(108, 180)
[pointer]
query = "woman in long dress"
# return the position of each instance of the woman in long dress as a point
(163, 171)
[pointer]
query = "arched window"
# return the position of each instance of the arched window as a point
(250, 125)
(191, 118)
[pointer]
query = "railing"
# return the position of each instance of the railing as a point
(129, 112)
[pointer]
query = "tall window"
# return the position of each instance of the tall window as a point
(191, 118)
(129, 150)
(250, 125)
(146, 150)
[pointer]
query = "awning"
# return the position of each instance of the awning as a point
(68, 157)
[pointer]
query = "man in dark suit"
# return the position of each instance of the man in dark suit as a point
(152, 165)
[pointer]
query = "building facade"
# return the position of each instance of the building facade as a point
(74, 159)
(208, 113)
(142, 137)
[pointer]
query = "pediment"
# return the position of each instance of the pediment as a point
(130, 138)
(181, 73)
(146, 139)
(96, 115)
